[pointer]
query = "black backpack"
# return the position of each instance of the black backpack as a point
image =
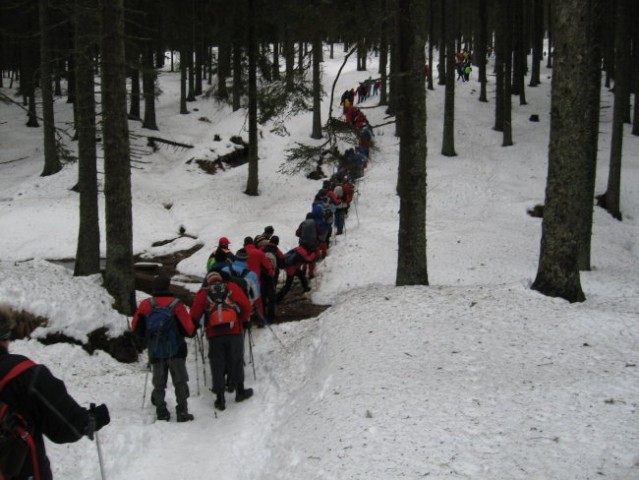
(162, 337)
(16, 440)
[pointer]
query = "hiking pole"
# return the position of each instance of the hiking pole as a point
(94, 435)
(265, 322)
(250, 339)
(146, 381)
(201, 341)
(197, 372)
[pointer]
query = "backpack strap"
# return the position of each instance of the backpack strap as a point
(15, 371)
(173, 304)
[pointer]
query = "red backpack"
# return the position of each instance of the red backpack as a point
(16, 440)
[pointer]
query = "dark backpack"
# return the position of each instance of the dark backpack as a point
(162, 337)
(291, 257)
(327, 214)
(16, 440)
(222, 309)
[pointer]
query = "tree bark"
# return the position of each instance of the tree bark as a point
(119, 280)
(87, 257)
(448, 142)
(611, 200)
(411, 258)
(317, 86)
(51, 159)
(558, 270)
(252, 184)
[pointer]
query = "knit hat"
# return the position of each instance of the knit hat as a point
(223, 242)
(213, 277)
(7, 322)
(269, 230)
(161, 283)
(248, 241)
(275, 240)
(241, 255)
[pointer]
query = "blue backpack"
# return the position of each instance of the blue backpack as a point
(162, 338)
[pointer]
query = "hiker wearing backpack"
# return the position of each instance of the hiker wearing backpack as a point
(163, 321)
(294, 260)
(33, 404)
(220, 254)
(227, 311)
(308, 233)
(261, 240)
(276, 257)
(321, 213)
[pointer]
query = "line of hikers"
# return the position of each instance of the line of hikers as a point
(241, 289)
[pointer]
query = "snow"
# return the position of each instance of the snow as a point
(475, 376)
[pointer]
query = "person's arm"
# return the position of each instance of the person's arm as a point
(59, 416)
(188, 325)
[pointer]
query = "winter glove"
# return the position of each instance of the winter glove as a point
(98, 418)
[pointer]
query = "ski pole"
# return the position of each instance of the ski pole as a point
(94, 435)
(146, 381)
(197, 372)
(250, 339)
(265, 322)
(201, 340)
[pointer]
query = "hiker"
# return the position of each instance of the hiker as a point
(164, 321)
(263, 269)
(340, 209)
(220, 254)
(31, 391)
(294, 260)
(261, 240)
(276, 257)
(227, 310)
(322, 216)
(376, 86)
(308, 233)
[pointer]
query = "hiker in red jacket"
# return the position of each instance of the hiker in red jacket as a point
(259, 264)
(32, 391)
(174, 361)
(296, 259)
(226, 341)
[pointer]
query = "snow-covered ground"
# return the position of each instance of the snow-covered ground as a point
(475, 376)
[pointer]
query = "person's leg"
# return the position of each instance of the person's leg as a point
(159, 379)
(218, 366)
(180, 379)
(287, 286)
(236, 357)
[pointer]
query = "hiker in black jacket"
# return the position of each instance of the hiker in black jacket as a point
(32, 391)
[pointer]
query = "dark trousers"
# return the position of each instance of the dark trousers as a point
(289, 283)
(179, 377)
(226, 354)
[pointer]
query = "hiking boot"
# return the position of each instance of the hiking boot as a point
(219, 403)
(163, 414)
(243, 394)
(185, 417)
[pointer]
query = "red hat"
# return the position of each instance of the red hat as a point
(223, 242)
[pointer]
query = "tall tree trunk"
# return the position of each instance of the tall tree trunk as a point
(276, 56)
(87, 257)
(252, 184)
(223, 63)
(500, 55)
(441, 66)
(317, 86)
(148, 81)
(507, 137)
(183, 79)
(237, 75)
(411, 258)
(134, 107)
(119, 280)
(591, 87)
(558, 270)
(383, 55)
(448, 142)
(611, 200)
(537, 41)
(51, 159)
(550, 34)
(482, 43)
(289, 58)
